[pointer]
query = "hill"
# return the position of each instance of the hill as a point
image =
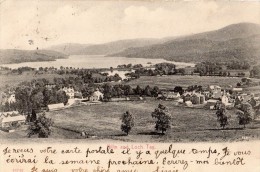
(69, 48)
(18, 56)
(234, 42)
(106, 48)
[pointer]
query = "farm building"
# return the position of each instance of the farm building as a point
(53, 107)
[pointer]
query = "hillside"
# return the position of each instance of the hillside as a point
(234, 42)
(18, 56)
(106, 48)
(69, 48)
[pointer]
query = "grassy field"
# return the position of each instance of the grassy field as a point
(103, 122)
(168, 82)
(15, 79)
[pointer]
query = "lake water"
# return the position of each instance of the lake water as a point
(93, 61)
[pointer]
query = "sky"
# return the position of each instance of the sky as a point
(28, 24)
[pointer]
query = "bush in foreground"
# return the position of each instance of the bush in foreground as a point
(41, 126)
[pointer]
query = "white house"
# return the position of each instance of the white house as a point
(7, 121)
(96, 96)
(11, 98)
(7, 118)
(69, 92)
(225, 100)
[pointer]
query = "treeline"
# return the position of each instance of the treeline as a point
(159, 69)
(214, 68)
(129, 66)
(120, 90)
(34, 95)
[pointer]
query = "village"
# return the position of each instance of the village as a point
(206, 97)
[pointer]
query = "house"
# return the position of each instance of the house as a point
(195, 98)
(225, 100)
(50, 86)
(53, 107)
(96, 96)
(7, 119)
(211, 103)
(215, 91)
(11, 99)
(171, 95)
(10, 113)
(237, 89)
(70, 92)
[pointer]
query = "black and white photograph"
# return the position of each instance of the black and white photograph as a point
(129, 71)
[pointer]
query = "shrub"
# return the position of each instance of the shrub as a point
(41, 126)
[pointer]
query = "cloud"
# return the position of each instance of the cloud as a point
(48, 23)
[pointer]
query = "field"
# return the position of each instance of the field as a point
(188, 125)
(15, 79)
(169, 82)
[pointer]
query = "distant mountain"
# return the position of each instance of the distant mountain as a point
(234, 42)
(18, 56)
(106, 48)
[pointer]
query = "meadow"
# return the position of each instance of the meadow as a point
(187, 124)
(15, 79)
(170, 81)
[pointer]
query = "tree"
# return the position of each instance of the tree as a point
(178, 89)
(127, 122)
(37, 100)
(221, 115)
(128, 90)
(41, 126)
(62, 97)
(108, 89)
(163, 118)
(147, 91)
(245, 114)
(138, 90)
(155, 91)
